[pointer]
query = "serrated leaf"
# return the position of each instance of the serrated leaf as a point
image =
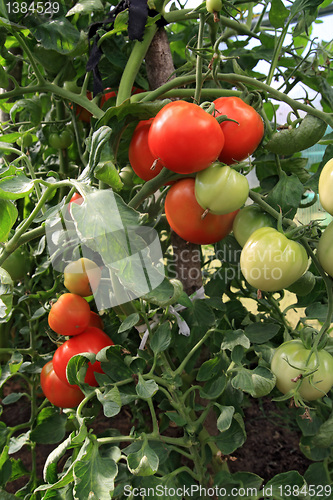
(111, 401)
(278, 14)
(233, 338)
(129, 322)
(259, 333)
(144, 462)
(258, 382)
(56, 34)
(14, 187)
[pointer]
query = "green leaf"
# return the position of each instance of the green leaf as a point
(259, 333)
(50, 467)
(210, 369)
(283, 486)
(8, 216)
(318, 474)
(233, 338)
(176, 418)
(113, 365)
(234, 437)
(29, 109)
(286, 195)
(224, 420)
(77, 367)
(146, 389)
(144, 462)
(50, 428)
(107, 173)
(85, 7)
(11, 367)
(278, 14)
(132, 111)
(129, 322)
(214, 387)
(99, 139)
(161, 338)
(258, 382)
(14, 187)
(6, 293)
(16, 443)
(110, 400)
(324, 437)
(94, 474)
(56, 34)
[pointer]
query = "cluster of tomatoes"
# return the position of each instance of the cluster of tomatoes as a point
(187, 140)
(72, 317)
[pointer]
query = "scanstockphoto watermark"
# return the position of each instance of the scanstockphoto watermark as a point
(195, 491)
(105, 230)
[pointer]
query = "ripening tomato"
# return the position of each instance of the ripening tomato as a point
(82, 277)
(270, 261)
(248, 220)
(96, 320)
(221, 189)
(291, 360)
(185, 138)
(56, 391)
(70, 315)
(325, 250)
(139, 154)
(325, 187)
(91, 340)
(76, 198)
(242, 138)
(184, 215)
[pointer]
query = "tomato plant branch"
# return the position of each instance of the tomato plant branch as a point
(26, 49)
(182, 365)
(133, 65)
(198, 72)
(277, 51)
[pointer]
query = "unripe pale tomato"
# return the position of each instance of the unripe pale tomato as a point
(270, 261)
(221, 189)
(91, 340)
(213, 6)
(70, 315)
(291, 360)
(82, 277)
(185, 138)
(325, 250)
(325, 187)
(58, 392)
(248, 220)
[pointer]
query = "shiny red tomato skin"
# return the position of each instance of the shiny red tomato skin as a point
(70, 315)
(139, 154)
(185, 138)
(56, 391)
(96, 320)
(91, 340)
(242, 138)
(184, 215)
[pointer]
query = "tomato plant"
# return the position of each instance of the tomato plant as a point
(293, 364)
(248, 220)
(270, 261)
(241, 138)
(325, 186)
(70, 315)
(82, 277)
(56, 391)
(184, 214)
(185, 138)
(220, 189)
(139, 154)
(91, 340)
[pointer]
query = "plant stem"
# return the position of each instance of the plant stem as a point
(182, 365)
(198, 72)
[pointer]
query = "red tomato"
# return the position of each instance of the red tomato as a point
(91, 340)
(56, 391)
(96, 320)
(139, 154)
(76, 198)
(70, 315)
(185, 138)
(242, 138)
(184, 215)
(82, 113)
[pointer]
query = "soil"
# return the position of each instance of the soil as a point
(271, 446)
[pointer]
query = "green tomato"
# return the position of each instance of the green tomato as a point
(61, 140)
(72, 87)
(270, 261)
(325, 250)
(213, 6)
(17, 264)
(221, 189)
(248, 220)
(304, 285)
(25, 140)
(177, 291)
(291, 360)
(126, 174)
(325, 187)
